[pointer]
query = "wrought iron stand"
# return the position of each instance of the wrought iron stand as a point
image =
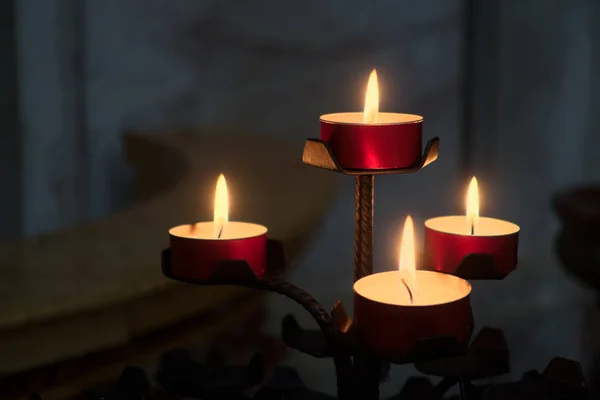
(358, 370)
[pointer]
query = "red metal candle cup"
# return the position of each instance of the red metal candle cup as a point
(388, 324)
(448, 241)
(392, 142)
(196, 251)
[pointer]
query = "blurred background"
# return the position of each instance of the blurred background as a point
(508, 86)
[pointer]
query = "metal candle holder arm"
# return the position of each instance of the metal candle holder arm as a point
(238, 273)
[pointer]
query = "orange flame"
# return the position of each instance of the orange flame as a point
(221, 210)
(407, 253)
(371, 112)
(473, 206)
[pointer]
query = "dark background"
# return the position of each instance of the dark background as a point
(511, 88)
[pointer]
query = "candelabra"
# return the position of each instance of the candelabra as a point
(430, 325)
(359, 369)
(360, 364)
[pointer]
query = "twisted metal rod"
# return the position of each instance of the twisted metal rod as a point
(363, 226)
(367, 371)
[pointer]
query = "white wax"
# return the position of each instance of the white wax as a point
(458, 225)
(205, 230)
(431, 288)
(383, 118)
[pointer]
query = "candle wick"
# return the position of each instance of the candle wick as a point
(472, 228)
(410, 295)
(220, 232)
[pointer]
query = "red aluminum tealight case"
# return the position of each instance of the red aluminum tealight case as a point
(196, 252)
(394, 141)
(451, 242)
(447, 247)
(392, 327)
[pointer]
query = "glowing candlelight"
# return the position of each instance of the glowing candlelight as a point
(473, 206)
(407, 286)
(407, 262)
(370, 139)
(198, 248)
(221, 210)
(449, 239)
(384, 302)
(371, 112)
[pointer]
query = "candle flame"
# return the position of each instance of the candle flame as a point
(371, 112)
(473, 206)
(221, 211)
(408, 270)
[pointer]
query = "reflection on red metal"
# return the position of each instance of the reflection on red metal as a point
(197, 258)
(394, 331)
(444, 251)
(360, 146)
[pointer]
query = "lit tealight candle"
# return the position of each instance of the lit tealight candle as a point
(449, 239)
(373, 139)
(196, 249)
(395, 310)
